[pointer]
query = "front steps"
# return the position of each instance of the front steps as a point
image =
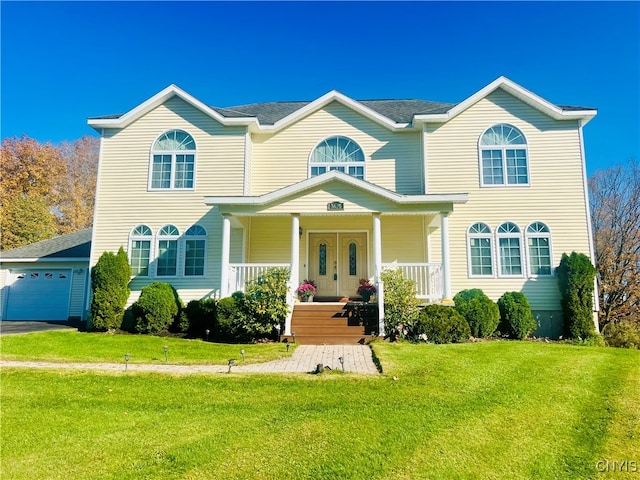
(325, 323)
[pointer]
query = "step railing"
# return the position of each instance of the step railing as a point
(241, 273)
(428, 278)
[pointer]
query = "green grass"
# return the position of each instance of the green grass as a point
(479, 410)
(72, 346)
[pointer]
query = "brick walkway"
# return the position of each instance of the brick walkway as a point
(357, 359)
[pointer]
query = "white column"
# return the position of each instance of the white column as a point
(446, 265)
(224, 264)
(295, 265)
(377, 248)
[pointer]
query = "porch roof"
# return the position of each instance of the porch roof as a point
(339, 185)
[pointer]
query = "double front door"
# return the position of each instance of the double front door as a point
(337, 261)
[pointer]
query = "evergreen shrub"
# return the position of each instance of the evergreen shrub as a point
(576, 276)
(516, 318)
(441, 324)
(156, 309)
(480, 312)
(110, 290)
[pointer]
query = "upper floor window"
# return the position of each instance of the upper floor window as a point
(539, 249)
(337, 153)
(503, 156)
(510, 252)
(173, 162)
(194, 251)
(480, 250)
(167, 262)
(140, 250)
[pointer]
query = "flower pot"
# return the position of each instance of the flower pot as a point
(307, 298)
(366, 296)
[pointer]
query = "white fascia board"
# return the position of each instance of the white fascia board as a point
(517, 91)
(323, 101)
(331, 176)
(43, 260)
(159, 99)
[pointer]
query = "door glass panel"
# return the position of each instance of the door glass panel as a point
(322, 254)
(352, 259)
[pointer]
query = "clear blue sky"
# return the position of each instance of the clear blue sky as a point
(65, 61)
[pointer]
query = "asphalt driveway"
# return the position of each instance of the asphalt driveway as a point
(13, 327)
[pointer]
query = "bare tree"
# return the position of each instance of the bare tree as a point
(615, 214)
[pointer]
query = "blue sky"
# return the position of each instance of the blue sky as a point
(65, 61)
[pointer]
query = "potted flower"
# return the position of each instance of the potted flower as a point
(306, 291)
(366, 289)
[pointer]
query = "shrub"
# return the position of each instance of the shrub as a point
(622, 334)
(401, 306)
(156, 309)
(480, 312)
(110, 287)
(575, 280)
(441, 324)
(516, 318)
(231, 321)
(201, 315)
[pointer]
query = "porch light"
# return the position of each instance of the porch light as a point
(242, 353)
(127, 356)
(206, 332)
(166, 354)
(341, 360)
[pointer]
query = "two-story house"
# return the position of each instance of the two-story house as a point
(486, 193)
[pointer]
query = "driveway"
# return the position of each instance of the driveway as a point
(11, 327)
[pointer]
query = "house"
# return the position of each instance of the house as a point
(486, 193)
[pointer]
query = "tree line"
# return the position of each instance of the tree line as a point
(48, 190)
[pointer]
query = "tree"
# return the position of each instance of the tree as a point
(78, 185)
(615, 216)
(575, 280)
(25, 220)
(110, 284)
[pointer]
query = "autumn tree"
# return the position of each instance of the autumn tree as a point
(615, 215)
(25, 219)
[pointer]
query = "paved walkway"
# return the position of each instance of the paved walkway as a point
(357, 359)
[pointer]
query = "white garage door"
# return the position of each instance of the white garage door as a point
(39, 295)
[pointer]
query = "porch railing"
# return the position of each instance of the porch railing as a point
(241, 273)
(428, 278)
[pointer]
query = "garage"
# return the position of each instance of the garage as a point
(39, 295)
(48, 280)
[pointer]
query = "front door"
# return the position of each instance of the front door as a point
(337, 261)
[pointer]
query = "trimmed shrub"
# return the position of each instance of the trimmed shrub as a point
(441, 324)
(516, 318)
(480, 312)
(156, 309)
(110, 288)
(401, 306)
(622, 334)
(576, 274)
(201, 315)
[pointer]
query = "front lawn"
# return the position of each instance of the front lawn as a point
(478, 410)
(71, 346)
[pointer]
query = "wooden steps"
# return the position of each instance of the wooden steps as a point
(328, 323)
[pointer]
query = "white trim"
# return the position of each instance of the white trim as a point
(547, 235)
(170, 238)
(425, 160)
(172, 172)
(185, 238)
(248, 154)
(503, 149)
(343, 165)
(519, 235)
(517, 91)
(142, 238)
(491, 238)
(43, 260)
(336, 176)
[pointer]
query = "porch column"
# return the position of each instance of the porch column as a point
(377, 270)
(295, 264)
(446, 265)
(224, 264)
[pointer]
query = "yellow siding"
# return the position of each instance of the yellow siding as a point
(392, 159)
(403, 239)
(555, 195)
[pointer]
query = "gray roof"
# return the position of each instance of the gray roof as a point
(72, 245)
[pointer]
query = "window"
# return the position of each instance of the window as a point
(503, 157)
(140, 250)
(194, 251)
(167, 263)
(480, 251)
(510, 256)
(539, 249)
(337, 153)
(173, 162)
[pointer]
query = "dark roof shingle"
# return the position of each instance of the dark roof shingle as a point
(72, 245)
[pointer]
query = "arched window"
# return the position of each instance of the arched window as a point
(140, 240)
(167, 263)
(480, 250)
(510, 257)
(195, 240)
(539, 249)
(173, 158)
(503, 156)
(337, 153)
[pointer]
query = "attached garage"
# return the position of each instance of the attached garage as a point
(47, 280)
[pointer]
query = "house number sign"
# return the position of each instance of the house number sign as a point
(335, 206)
